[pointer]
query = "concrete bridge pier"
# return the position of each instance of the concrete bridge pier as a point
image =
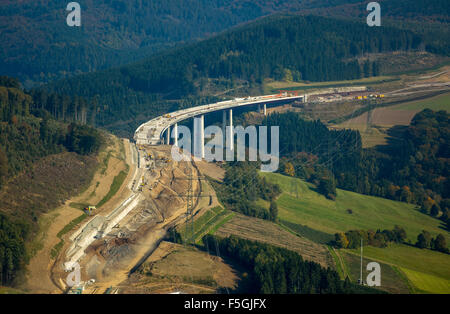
(168, 136)
(224, 125)
(175, 134)
(199, 137)
(265, 110)
(231, 132)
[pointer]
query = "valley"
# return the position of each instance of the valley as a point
(106, 134)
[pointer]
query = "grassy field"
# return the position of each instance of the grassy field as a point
(9, 290)
(428, 271)
(115, 186)
(277, 85)
(260, 230)
(441, 102)
(209, 222)
(427, 283)
(404, 267)
(391, 280)
(316, 212)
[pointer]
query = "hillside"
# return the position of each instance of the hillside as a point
(237, 60)
(118, 32)
(311, 215)
(42, 163)
(113, 32)
(301, 205)
(429, 18)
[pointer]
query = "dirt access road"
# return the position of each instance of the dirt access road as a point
(112, 161)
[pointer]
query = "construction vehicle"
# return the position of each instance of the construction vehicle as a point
(90, 209)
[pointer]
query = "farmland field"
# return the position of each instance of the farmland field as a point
(427, 270)
(265, 231)
(368, 212)
(419, 270)
(427, 283)
(441, 102)
(391, 280)
(384, 118)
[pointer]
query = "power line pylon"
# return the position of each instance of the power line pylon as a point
(189, 235)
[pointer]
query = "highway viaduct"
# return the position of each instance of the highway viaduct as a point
(153, 131)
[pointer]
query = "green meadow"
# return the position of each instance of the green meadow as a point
(436, 103)
(300, 204)
(423, 270)
(428, 271)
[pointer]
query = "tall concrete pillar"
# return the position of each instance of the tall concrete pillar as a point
(168, 136)
(230, 135)
(259, 108)
(224, 126)
(202, 135)
(175, 131)
(199, 138)
(265, 109)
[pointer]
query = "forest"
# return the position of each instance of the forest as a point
(275, 270)
(25, 139)
(116, 32)
(113, 32)
(242, 187)
(310, 48)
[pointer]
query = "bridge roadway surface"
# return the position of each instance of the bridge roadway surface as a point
(151, 132)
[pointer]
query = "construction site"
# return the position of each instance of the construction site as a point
(115, 242)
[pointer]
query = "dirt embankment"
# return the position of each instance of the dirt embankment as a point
(175, 268)
(111, 260)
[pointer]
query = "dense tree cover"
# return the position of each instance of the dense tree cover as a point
(83, 139)
(306, 47)
(113, 32)
(24, 140)
(315, 152)
(242, 187)
(278, 270)
(425, 241)
(430, 18)
(413, 168)
(352, 239)
(13, 256)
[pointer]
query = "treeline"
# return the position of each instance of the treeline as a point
(274, 270)
(352, 239)
(413, 168)
(242, 187)
(425, 241)
(279, 47)
(306, 166)
(24, 140)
